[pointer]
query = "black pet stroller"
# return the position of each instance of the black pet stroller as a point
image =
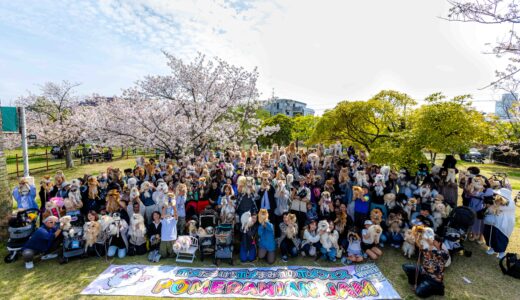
(457, 225)
(224, 243)
(73, 243)
(208, 221)
(20, 230)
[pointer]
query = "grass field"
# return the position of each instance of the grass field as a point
(53, 281)
(39, 161)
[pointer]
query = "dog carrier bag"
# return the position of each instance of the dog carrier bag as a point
(512, 265)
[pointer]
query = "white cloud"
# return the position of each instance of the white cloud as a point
(318, 52)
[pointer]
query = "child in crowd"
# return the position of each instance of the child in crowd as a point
(168, 231)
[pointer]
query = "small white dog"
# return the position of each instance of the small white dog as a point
(408, 244)
(246, 221)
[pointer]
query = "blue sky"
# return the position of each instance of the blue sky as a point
(317, 52)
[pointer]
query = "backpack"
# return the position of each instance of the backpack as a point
(512, 267)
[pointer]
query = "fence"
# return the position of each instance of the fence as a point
(37, 162)
(40, 162)
(89, 157)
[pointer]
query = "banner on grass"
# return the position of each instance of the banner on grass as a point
(356, 281)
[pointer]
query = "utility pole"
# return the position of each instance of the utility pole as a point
(23, 129)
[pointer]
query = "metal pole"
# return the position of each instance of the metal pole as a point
(17, 165)
(24, 143)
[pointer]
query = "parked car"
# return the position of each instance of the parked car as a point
(57, 152)
(473, 155)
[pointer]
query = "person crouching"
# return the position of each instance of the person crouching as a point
(43, 241)
(328, 240)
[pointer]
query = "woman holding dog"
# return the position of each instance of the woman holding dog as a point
(266, 242)
(499, 222)
(248, 241)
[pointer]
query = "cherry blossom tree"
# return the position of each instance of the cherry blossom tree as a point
(205, 103)
(493, 12)
(56, 117)
(12, 141)
(507, 46)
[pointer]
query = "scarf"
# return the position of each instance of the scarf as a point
(265, 201)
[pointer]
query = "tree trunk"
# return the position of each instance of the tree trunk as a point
(6, 201)
(434, 158)
(69, 162)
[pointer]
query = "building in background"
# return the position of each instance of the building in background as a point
(504, 105)
(287, 107)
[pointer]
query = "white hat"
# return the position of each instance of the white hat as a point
(506, 193)
(49, 218)
(368, 222)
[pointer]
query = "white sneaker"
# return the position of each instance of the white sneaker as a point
(501, 255)
(29, 265)
(302, 253)
(49, 256)
(490, 251)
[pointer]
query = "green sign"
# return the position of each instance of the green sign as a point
(10, 119)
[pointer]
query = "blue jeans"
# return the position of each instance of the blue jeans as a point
(247, 255)
(394, 238)
(121, 252)
(330, 255)
(383, 239)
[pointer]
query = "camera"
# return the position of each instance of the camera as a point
(489, 200)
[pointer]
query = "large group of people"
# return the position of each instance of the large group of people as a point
(325, 203)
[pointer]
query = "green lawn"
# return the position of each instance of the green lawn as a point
(488, 169)
(39, 162)
(53, 281)
(81, 170)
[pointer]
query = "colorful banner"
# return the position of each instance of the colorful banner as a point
(363, 281)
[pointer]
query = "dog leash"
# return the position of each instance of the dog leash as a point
(417, 269)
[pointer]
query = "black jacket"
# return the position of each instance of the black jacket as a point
(270, 195)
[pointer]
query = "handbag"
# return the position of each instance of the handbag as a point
(298, 205)
(512, 265)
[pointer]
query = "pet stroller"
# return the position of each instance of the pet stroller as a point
(20, 229)
(224, 243)
(73, 242)
(207, 221)
(458, 223)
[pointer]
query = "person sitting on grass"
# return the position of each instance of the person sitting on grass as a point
(369, 244)
(429, 276)
(98, 249)
(289, 241)
(118, 241)
(266, 242)
(311, 240)
(44, 240)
